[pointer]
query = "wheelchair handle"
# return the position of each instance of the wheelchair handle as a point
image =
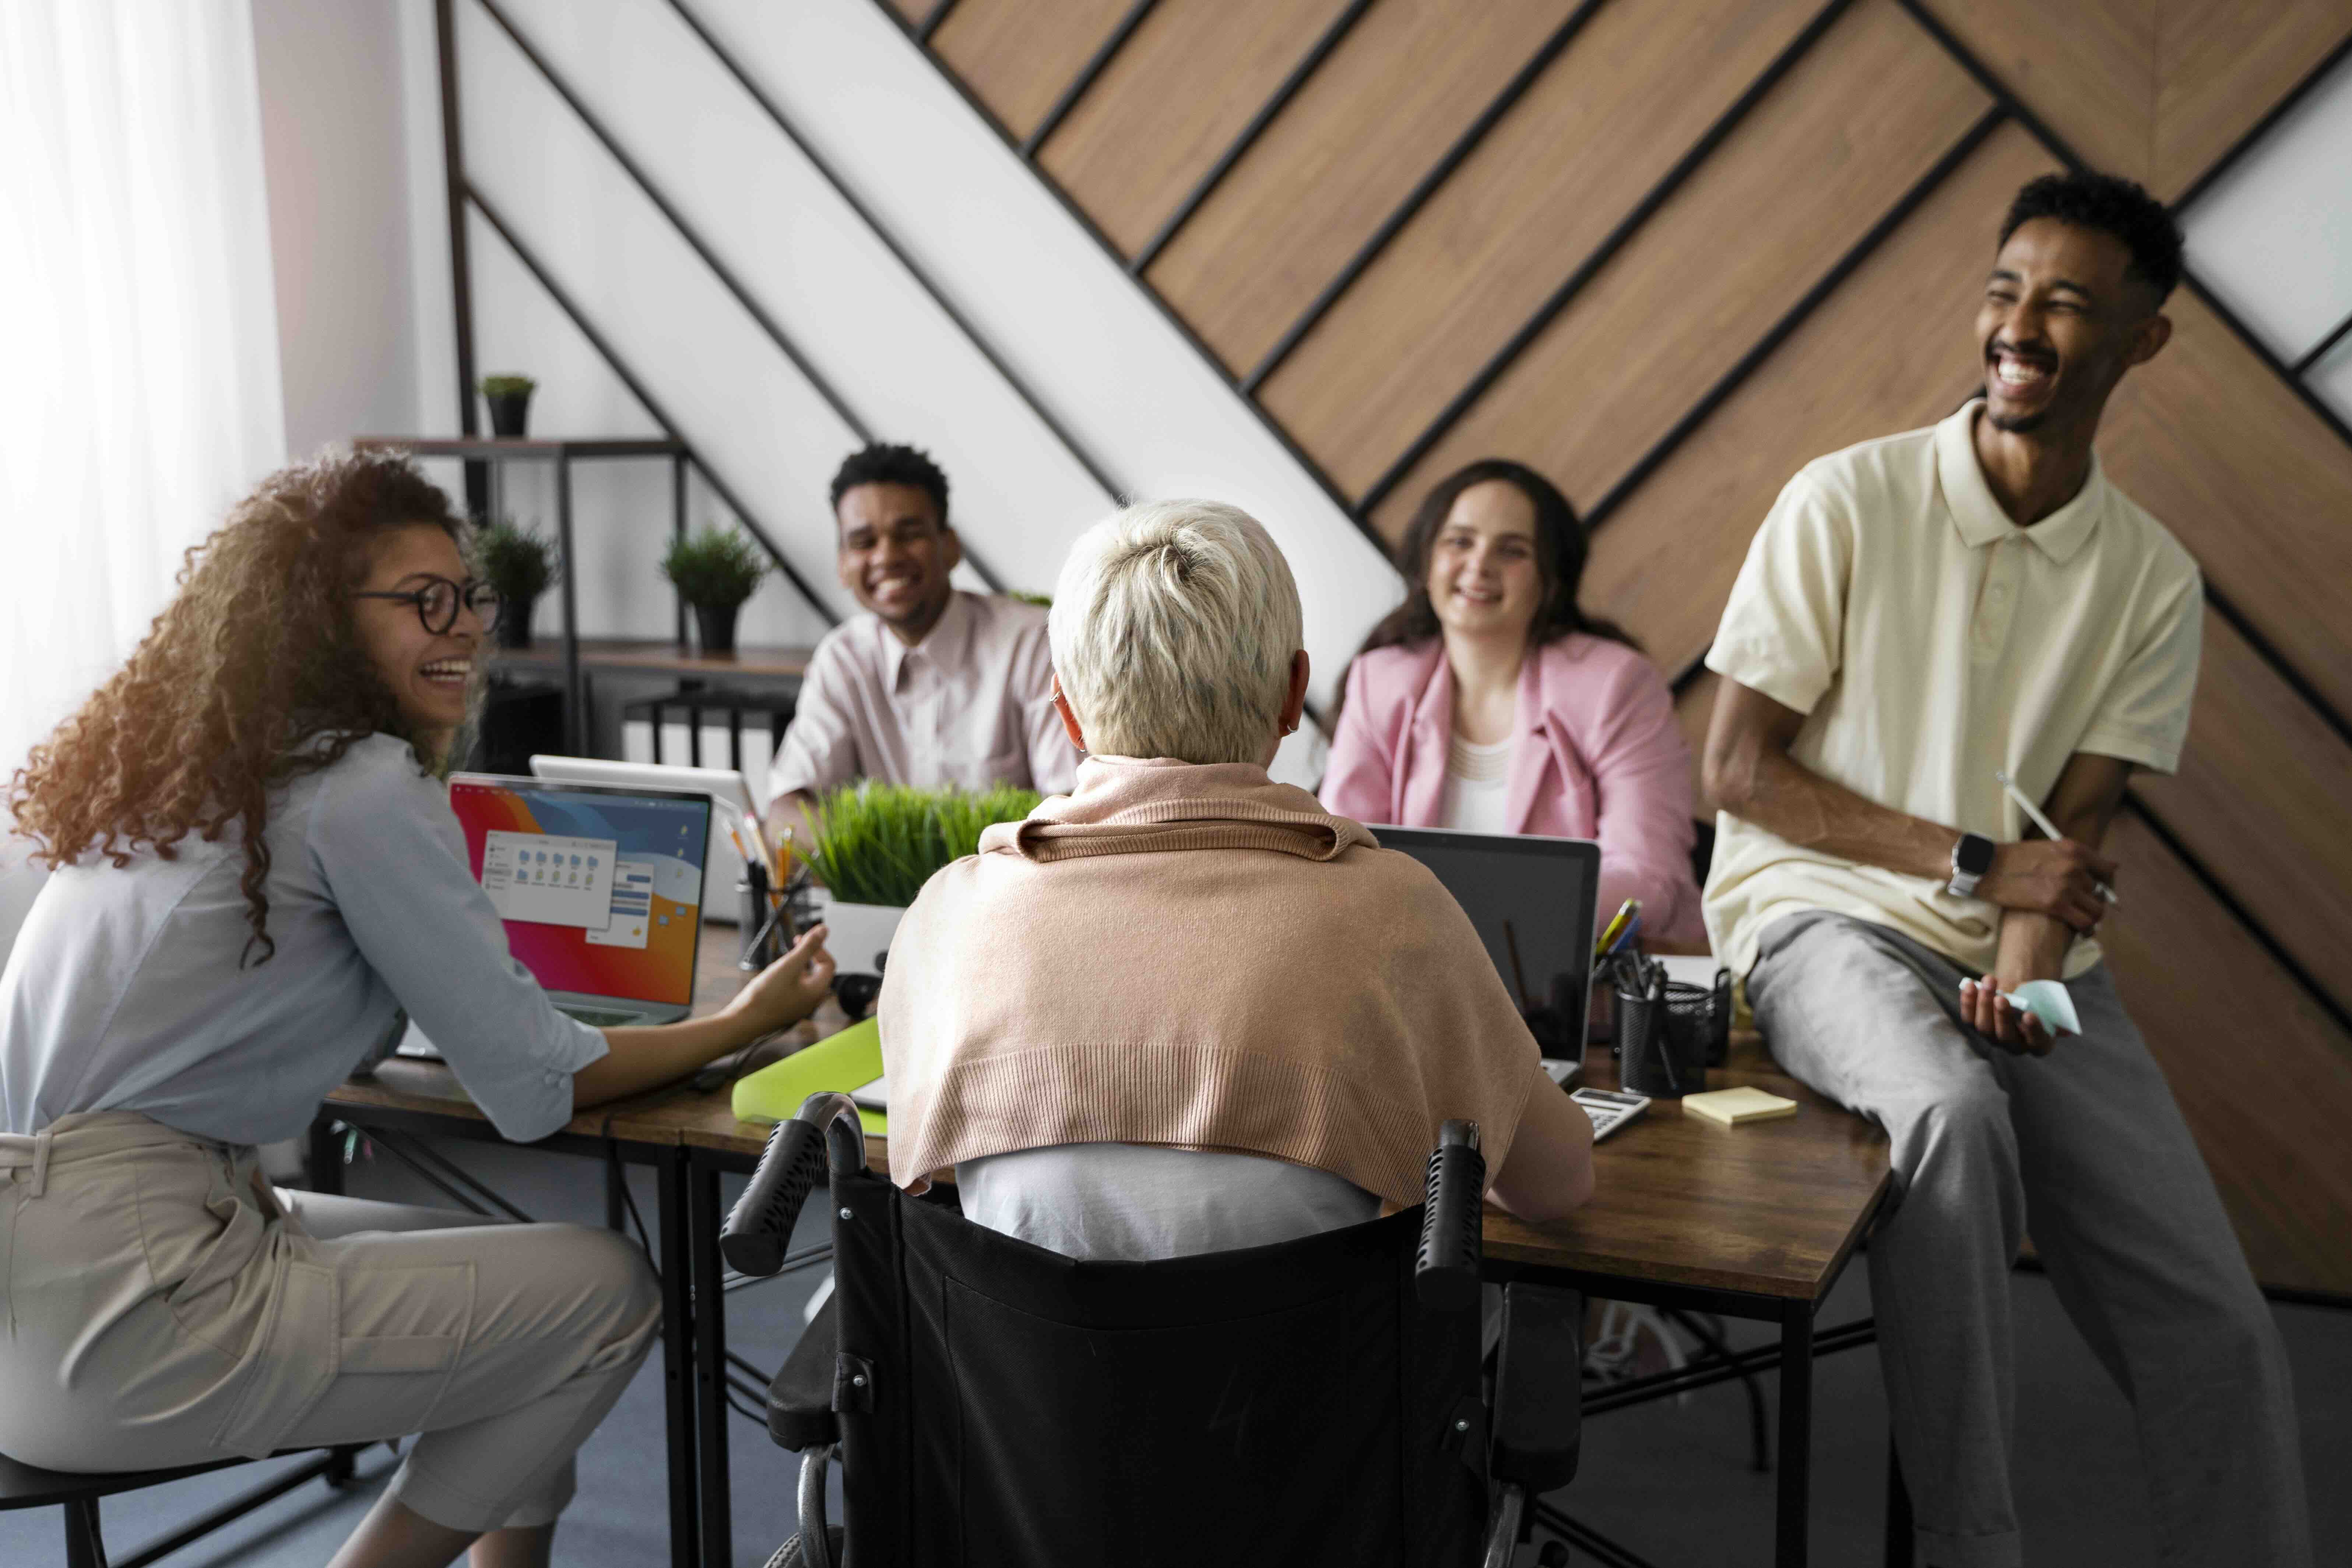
(1445, 1272)
(826, 1132)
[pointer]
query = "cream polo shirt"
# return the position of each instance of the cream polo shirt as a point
(1928, 640)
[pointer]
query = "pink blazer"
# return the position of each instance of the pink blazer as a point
(1595, 753)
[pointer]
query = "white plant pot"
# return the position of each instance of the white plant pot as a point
(857, 933)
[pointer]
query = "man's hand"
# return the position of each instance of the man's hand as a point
(2058, 877)
(2031, 947)
(2005, 1022)
(788, 990)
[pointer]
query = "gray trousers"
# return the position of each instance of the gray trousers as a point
(2085, 1144)
(159, 1304)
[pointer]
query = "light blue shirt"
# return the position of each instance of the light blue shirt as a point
(124, 991)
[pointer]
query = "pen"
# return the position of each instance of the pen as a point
(1625, 912)
(1625, 939)
(2049, 828)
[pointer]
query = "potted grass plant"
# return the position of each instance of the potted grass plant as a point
(878, 843)
(714, 571)
(510, 400)
(521, 565)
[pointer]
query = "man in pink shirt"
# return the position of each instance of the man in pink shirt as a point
(931, 686)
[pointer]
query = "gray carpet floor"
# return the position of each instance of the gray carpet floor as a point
(1669, 1481)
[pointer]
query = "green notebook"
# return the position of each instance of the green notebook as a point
(839, 1063)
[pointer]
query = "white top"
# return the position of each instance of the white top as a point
(1478, 778)
(1136, 1202)
(1929, 640)
(124, 991)
(971, 705)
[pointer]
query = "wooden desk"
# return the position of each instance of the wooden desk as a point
(1755, 1222)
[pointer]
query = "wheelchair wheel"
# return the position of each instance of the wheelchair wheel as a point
(789, 1555)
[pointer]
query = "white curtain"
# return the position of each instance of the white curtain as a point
(138, 370)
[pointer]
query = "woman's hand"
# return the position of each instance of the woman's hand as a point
(786, 991)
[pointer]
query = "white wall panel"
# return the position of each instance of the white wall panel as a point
(815, 268)
(1056, 307)
(2274, 237)
(749, 413)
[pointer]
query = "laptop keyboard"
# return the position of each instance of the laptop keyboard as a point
(597, 1019)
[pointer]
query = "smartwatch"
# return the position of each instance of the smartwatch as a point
(1971, 858)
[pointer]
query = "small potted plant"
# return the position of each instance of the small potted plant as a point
(715, 571)
(521, 565)
(510, 400)
(878, 843)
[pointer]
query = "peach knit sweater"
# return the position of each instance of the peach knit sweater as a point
(1195, 956)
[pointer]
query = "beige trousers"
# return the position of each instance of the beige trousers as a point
(161, 1304)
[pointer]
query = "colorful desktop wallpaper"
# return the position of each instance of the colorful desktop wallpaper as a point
(626, 928)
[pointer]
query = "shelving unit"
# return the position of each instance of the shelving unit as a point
(499, 451)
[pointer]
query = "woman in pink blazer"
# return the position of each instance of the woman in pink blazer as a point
(1489, 702)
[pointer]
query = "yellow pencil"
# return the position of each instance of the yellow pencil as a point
(1625, 912)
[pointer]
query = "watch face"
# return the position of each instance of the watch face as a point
(1974, 857)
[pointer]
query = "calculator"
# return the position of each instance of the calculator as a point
(1608, 1108)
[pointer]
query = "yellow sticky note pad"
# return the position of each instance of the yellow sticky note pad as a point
(1738, 1106)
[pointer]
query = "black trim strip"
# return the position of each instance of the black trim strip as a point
(579, 321)
(2221, 895)
(1086, 77)
(1182, 328)
(1892, 219)
(2261, 127)
(1464, 145)
(1616, 239)
(939, 296)
(931, 23)
(1306, 66)
(2302, 367)
(453, 176)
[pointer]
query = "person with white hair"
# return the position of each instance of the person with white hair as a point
(1184, 1008)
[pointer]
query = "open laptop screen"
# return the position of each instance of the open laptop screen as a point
(601, 890)
(1532, 901)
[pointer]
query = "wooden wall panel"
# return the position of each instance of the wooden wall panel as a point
(1169, 104)
(1408, 79)
(914, 11)
(2262, 1072)
(2253, 482)
(1866, 115)
(2264, 799)
(1515, 218)
(1889, 351)
(2087, 68)
(1018, 56)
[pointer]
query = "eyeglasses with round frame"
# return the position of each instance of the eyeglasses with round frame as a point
(436, 603)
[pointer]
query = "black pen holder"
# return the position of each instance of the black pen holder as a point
(1669, 1033)
(762, 933)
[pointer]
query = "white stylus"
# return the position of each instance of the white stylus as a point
(2049, 828)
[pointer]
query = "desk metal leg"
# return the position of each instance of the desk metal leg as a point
(710, 1368)
(1795, 1506)
(677, 1360)
(1899, 1533)
(326, 1157)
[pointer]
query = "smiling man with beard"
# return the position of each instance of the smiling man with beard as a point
(931, 686)
(1916, 613)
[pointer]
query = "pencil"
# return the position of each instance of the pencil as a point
(1625, 912)
(2049, 828)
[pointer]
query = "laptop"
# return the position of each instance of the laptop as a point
(599, 888)
(729, 794)
(1534, 903)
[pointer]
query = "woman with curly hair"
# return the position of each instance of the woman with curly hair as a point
(255, 865)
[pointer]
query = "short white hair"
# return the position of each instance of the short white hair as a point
(1173, 626)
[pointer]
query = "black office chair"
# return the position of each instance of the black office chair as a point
(1321, 1401)
(78, 1494)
